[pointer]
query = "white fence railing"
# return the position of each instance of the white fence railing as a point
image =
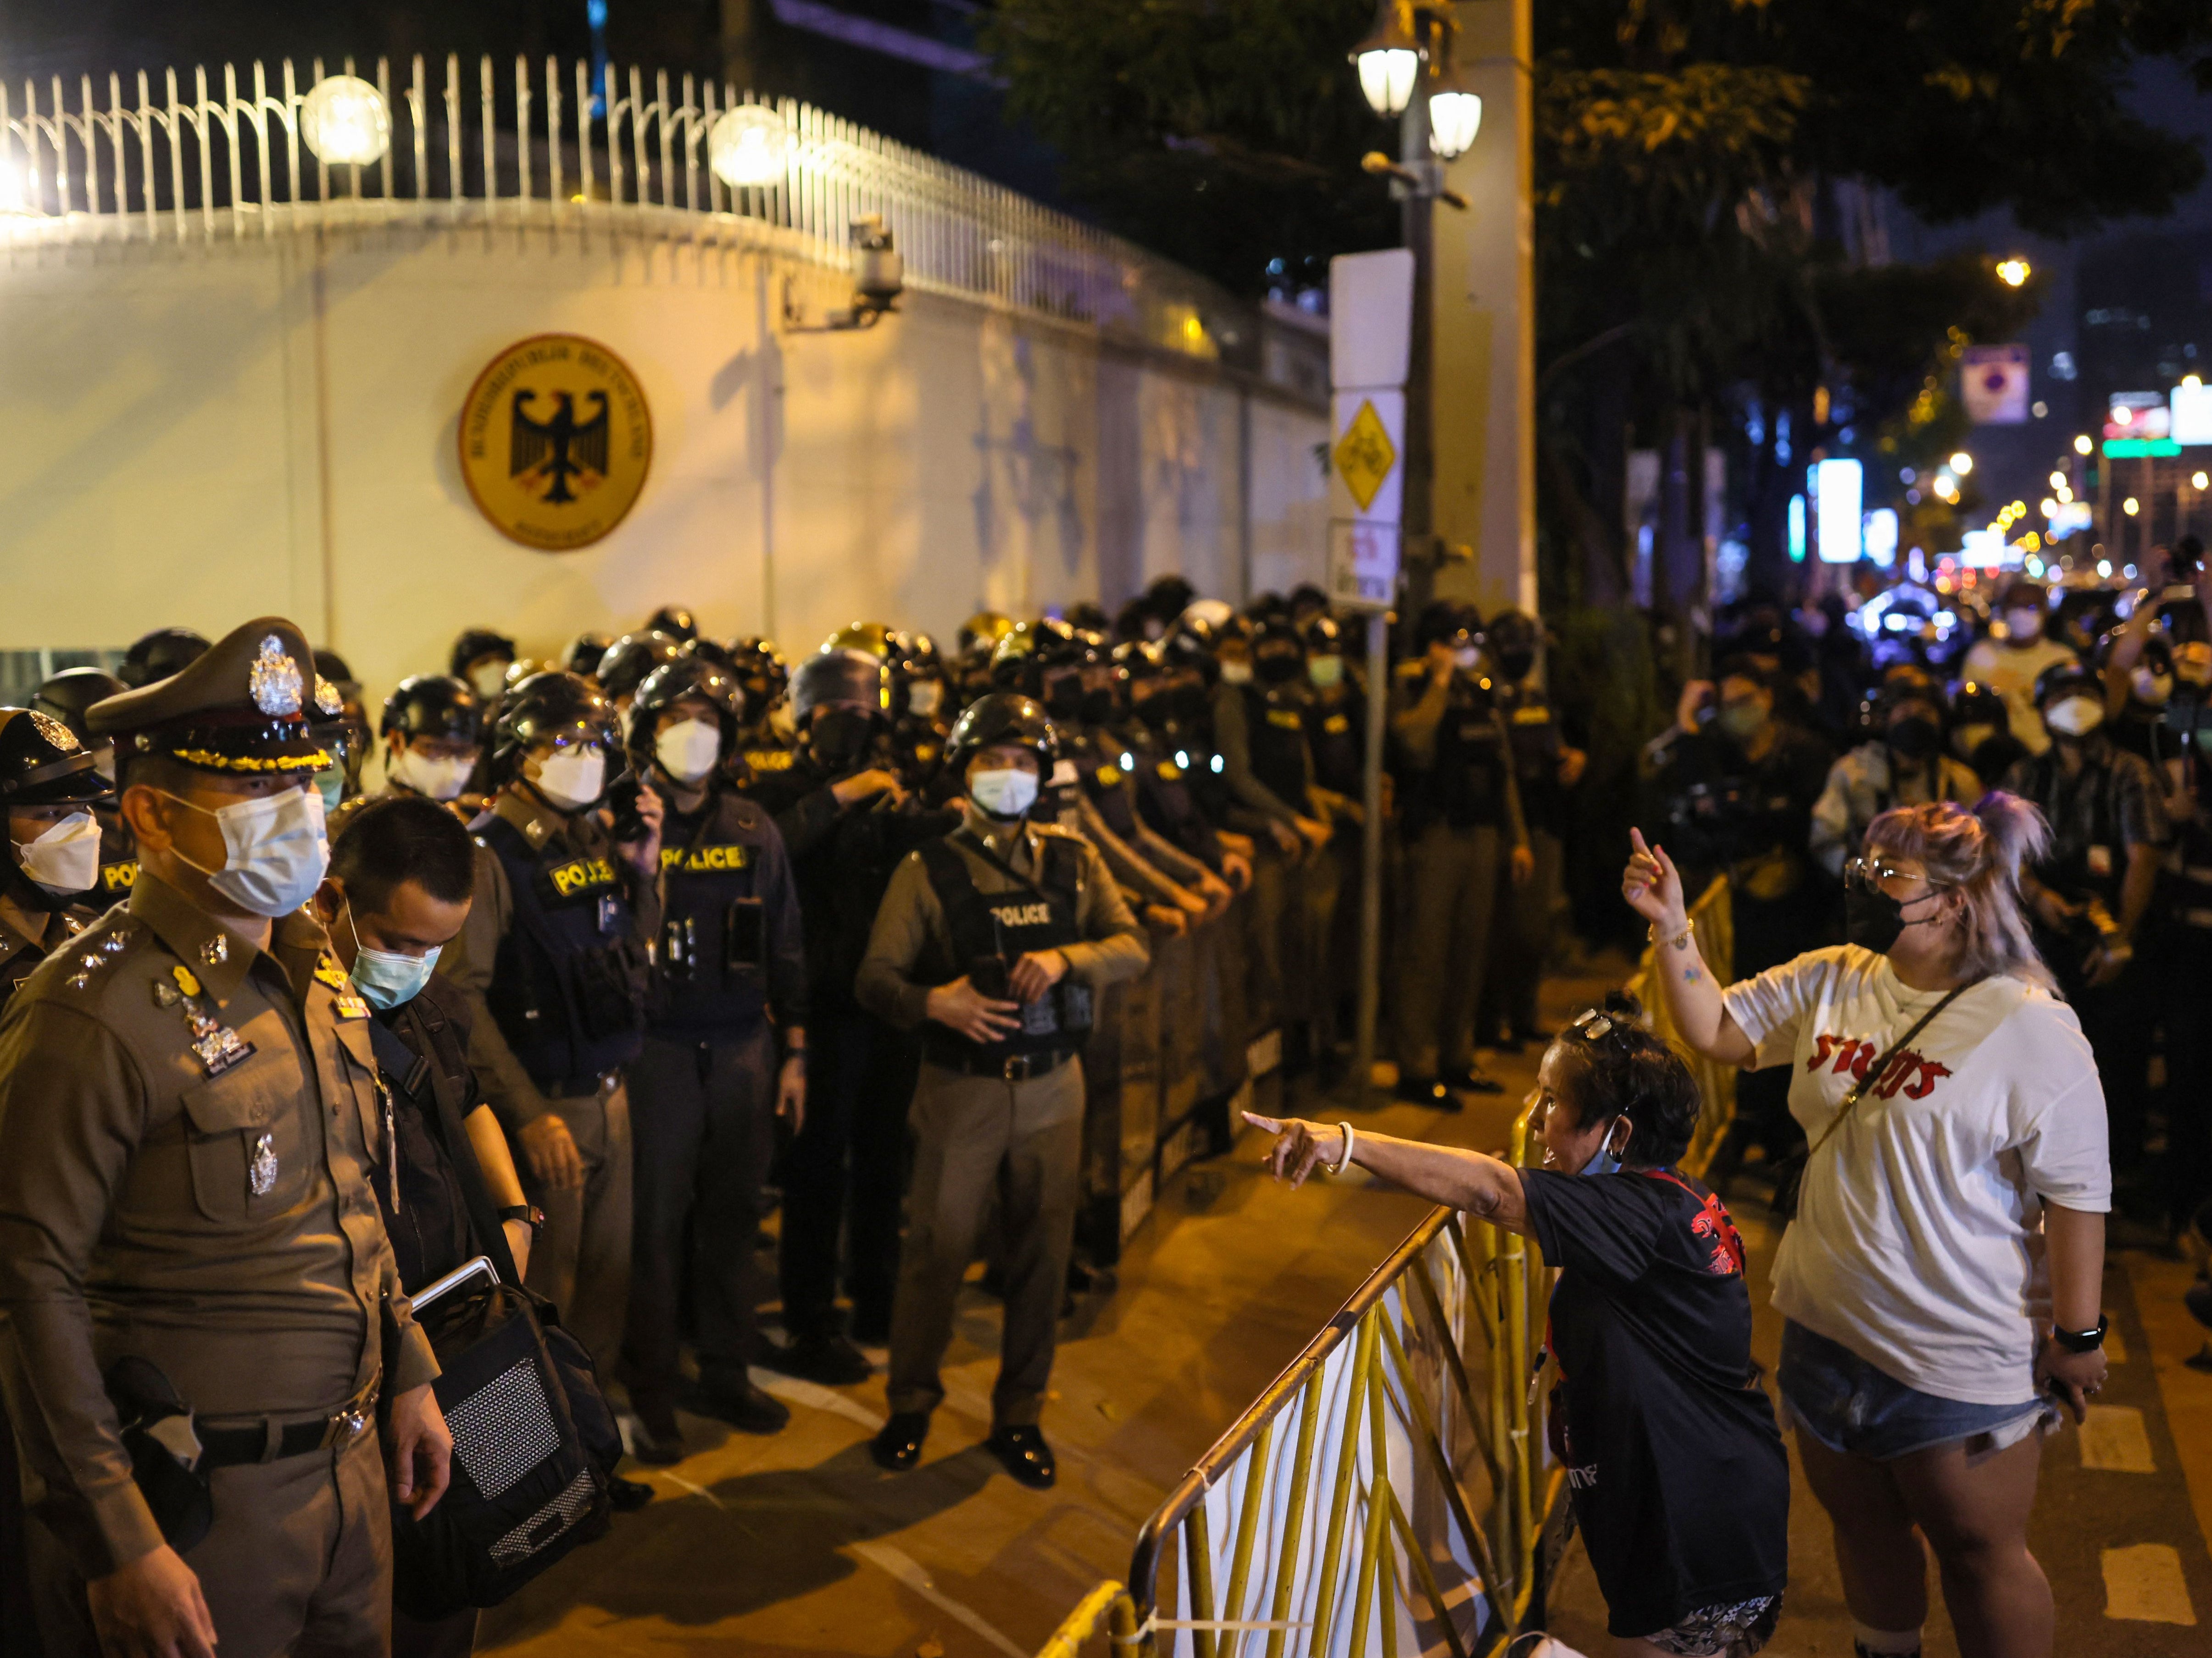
(157, 160)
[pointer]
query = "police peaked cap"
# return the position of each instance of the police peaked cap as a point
(671, 683)
(675, 621)
(1005, 717)
(582, 654)
(2061, 677)
(840, 676)
(43, 764)
(478, 643)
(630, 658)
(159, 654)
(245, 706)
(553, 707)
(70, 694)
(434, 705)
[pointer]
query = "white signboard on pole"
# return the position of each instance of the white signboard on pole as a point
(1370, 332)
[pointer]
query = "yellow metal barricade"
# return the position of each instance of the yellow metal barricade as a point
(1391, 1484)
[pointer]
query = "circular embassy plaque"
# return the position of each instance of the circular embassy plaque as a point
(556, 439)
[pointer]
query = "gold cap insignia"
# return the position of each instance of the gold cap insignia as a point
(216, 951)
(328, 703)
(275, 679)
(55, 733)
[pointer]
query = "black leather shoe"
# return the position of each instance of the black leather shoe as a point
(897, 1443)
(830, 1360)
(1474, 1080)
(658, 1442)
(627, 1495)
(1025, 1454)
(736, 1401)
(1426, 1090)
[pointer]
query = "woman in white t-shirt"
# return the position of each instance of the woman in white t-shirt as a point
(1944, 1265)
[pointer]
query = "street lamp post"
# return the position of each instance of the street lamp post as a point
(1404, 70)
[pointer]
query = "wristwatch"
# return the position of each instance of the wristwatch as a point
(528, 1213)
(2081, 1341)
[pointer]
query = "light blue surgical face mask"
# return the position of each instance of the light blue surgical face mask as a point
(1604, 1160)
(386, 978)
(330, 785)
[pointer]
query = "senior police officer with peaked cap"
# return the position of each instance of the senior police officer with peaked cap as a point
(192, 1268)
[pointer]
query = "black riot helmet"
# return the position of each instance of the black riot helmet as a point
(1307, 602)
(1192, 645)
(1447, 621)
(1279, 649)
(1141, 660)
(474, 646)
(762, 671)
(552, 706)
(43, 764)
(1323, 636)
(1002, 717)
(688, 676)
(838, 675)
(713, 651)
(432, 705)
(67, 695)
(630, 658)
(1168, 596)
(581, 655)
(1977, 704)
(159, 654)
(675, 621)
(1088, 617)
(1511, 639)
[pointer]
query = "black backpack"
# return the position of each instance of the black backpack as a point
(535, 1443)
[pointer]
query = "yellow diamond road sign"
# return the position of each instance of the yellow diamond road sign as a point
(1365, 455)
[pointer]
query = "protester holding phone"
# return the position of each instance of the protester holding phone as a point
(1944, 1268)
(993, 942)
(1676, 1470)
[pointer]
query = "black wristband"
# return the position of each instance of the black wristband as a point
(528, 1213)
(2081, 1341)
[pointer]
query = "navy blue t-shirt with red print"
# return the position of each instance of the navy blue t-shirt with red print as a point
(1680, 1482)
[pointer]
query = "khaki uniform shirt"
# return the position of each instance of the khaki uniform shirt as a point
(196, 1196)
(1114, 946)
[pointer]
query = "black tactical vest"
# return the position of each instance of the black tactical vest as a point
(709, 971)
(567, 985)
(1006, 926)
(1110, 783)
(1336, 734)
(1165, 798)
(1466, 785)
(1275, 739)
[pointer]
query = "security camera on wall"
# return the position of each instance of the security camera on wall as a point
(878, 279)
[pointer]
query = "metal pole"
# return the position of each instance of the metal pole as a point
(1370, 857)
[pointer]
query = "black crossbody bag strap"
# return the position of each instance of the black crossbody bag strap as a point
(1879, 1068)
(483, 1215)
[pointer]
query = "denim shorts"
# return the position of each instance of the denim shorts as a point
(1852, 1407)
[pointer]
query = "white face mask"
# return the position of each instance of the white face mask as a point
(275, 849)
(489, 678)
(2154, 688)
(66, 857)
(688, 749)
(1003, 794)
(2076, 716)
(1325, 670)
(922, 697)
(439, 778)
(572, 779)
(1236, 673)
(2023, 625)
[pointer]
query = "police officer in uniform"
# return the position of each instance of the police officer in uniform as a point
(68, 697)
(1460, 807)
(187, 1117)
(1546, 769)
(552, 961)
(846, 820)
(1336, 738)
(993, 941)
(432, 727)
(1155, 739)
(724, 1054)
(763, 675)
(627, 662)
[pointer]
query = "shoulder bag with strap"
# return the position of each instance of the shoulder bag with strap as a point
(1790, 1174)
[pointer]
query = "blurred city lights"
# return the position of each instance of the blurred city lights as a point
(2131, 507)
(2199, 481)
(2050, 507)
(2012, 272)
(2104, 566)
(1453, 119)
(2082, 445)
(1962, 462)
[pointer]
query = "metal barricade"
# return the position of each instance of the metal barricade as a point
(1388, 1488)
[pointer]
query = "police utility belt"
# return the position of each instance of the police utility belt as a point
(988, 934)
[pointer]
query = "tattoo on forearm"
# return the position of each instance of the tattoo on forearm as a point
(1690, 975)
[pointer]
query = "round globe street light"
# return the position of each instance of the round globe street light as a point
(1388, 60)
(749, 147)
(1454, 118)
(345, 121)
